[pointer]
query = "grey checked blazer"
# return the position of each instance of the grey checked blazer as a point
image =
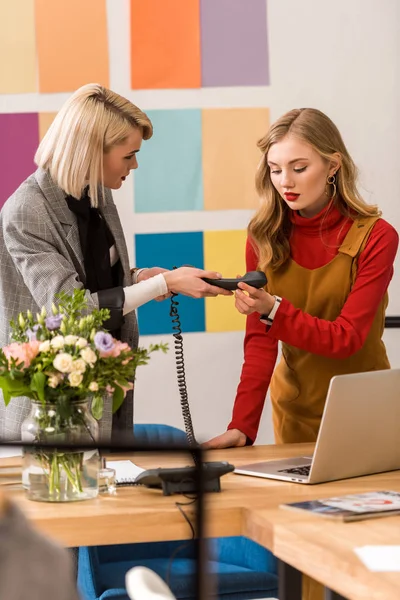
(40, 255)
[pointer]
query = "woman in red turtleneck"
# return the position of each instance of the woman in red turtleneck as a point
(329, 259)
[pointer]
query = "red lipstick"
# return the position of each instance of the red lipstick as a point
(291, 197)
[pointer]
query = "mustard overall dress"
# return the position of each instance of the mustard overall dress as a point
(301, 379)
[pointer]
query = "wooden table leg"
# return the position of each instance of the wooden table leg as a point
(290, 582)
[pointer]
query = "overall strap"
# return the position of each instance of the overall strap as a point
(356, 240)
(358, 235)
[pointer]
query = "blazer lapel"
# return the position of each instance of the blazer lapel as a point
(110, 214)
(55, 197)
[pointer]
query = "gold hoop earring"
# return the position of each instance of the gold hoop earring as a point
(331, 180)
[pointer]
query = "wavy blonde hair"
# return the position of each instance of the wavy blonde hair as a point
(271, 226)
(90, 123)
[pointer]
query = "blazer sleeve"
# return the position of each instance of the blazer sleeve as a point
(34, 246)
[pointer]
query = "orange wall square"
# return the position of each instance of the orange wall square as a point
(231, 156)
(72, 44)
(45, 120)
(165, 44)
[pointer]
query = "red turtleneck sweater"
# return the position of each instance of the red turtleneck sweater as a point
(336, 339)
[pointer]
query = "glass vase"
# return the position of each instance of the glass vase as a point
(58, 475)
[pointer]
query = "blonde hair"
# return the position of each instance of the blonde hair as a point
(271, 226)
(90, 123)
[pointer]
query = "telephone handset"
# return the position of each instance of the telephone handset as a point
(256, 279)
(182, 480)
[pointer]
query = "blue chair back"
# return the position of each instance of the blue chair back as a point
(155, 433)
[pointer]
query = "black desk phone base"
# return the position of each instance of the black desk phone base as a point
(183, 480)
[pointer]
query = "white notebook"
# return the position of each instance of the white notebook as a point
(10, 451)
(125, 471)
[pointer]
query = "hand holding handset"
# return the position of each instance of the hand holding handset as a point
(256, 279)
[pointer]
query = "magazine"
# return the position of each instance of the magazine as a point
(353, 507)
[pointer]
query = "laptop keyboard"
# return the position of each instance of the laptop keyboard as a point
(297, 470)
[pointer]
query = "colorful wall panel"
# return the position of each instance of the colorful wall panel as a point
(202, 159)
(19, 138)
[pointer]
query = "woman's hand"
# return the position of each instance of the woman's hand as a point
(152, 272)
(188, 281)
(233, 438)
(255, 300)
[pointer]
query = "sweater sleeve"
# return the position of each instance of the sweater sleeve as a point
(260, 352)
(345, 335)
(144, 291)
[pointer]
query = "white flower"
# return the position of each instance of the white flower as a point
(53, 382)
(63, 362)
(57, 342)
(75, 379)
(81, 343)
(89, 356)
(78, 366)
(44, 346)
(94, 386)
(70, 340)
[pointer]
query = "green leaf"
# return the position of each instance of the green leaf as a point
(13, 387)
(97, 407)
(118, 398)
(37, 385)
(6, 396)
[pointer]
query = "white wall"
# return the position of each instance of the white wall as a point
(213, 363)
(341, 57)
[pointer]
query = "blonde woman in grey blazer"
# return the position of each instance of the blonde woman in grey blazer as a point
(60, 230)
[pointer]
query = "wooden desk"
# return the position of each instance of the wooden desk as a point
(326, 553)
(138, 514)
(246, 506)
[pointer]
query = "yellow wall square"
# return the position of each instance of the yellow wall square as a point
(224, 251)
(17, 47)
(230, 156)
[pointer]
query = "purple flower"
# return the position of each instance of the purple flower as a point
(31, 333)
(104, 342)
(53, 322)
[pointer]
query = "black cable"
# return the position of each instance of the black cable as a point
(179, 507)
(185, 544)
(187, 419)
(180, 369)
(181, 374)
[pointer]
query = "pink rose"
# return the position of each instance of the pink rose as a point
(22, 353)
(127, 387)
(118, 348)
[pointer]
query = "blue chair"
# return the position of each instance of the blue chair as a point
(243, 569)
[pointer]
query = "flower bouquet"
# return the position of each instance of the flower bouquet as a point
(66, 363)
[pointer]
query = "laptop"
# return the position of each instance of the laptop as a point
(359, 433)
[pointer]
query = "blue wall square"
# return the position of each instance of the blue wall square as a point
(168, 250)
(169, 177)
